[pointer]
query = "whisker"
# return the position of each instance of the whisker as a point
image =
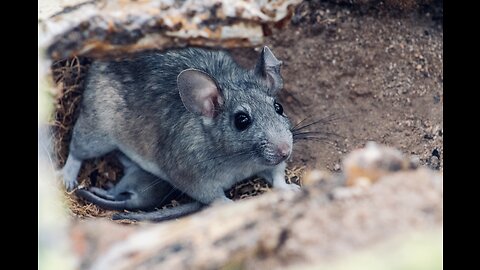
(299, 123)
(156, 182)
(317, 139)
(170, 193)
(326, 133)
(324, 120)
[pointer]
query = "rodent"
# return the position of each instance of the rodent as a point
(191, 117)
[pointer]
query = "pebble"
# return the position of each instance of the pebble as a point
(336, 167)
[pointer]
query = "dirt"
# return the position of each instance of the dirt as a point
(379, 73)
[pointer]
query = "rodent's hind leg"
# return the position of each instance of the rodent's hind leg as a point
(120, 197)
(102, 202)
(127, 163)
(106, 194)
(136, 190)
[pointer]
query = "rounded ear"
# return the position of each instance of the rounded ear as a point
(199, 92)
(268, 68)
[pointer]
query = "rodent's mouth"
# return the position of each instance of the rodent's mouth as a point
(274, 154)
(274, 160)
(274, 163)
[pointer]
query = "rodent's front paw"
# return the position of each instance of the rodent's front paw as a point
(68, 177)
(293, 187)
(222, 201)
(69, 183)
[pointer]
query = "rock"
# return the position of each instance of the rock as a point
(434, 162)
(315, 176)
(274, 230)
(102, 28)
(374, 161)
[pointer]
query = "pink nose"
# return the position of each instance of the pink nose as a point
(283, 150)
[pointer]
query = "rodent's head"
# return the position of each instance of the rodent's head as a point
(239, 110)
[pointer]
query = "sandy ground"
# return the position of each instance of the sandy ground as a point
(380, 74)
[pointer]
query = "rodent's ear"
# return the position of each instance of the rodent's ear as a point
(268, 67)
(199, 92)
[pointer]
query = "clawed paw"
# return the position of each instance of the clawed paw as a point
(69, 183)
(292, 187)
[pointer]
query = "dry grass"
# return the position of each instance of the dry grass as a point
(69, 75)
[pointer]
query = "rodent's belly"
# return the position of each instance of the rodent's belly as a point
(148, 166)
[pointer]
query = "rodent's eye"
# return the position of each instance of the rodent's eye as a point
(242, 121)
(278, 108)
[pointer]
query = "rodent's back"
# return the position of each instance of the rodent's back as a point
(136, 101)
(148, 79)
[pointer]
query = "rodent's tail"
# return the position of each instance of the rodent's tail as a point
(161, 214)
(103, 203)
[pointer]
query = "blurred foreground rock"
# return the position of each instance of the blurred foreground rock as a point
(275, 230)
(106, 27)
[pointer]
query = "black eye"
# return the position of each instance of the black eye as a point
(242, 121)
(278, 108)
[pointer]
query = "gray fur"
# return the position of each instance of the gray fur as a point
(134, 106)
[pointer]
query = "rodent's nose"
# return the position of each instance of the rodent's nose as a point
(283, 150)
